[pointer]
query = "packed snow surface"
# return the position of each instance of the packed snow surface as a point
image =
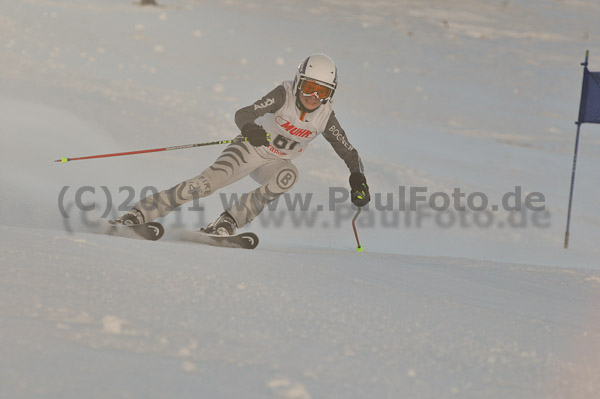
(473, 95)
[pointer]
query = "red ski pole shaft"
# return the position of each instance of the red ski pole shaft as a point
(359, 248)
(178, 147)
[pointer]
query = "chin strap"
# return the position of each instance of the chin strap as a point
(302, 108)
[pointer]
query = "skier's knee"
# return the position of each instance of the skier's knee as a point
(286, 177)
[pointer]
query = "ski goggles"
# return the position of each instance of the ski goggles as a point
(311, 88)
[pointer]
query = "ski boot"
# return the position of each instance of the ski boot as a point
(133, 216)
(225, 225)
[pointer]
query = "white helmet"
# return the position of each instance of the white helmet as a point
(319, 68)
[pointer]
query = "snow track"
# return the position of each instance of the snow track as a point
(95, 316)
(477, 95)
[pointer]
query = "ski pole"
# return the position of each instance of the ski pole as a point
(359, 248)
(177, 147)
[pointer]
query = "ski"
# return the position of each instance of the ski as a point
(154, 231)
(242, 240)
(146, 231)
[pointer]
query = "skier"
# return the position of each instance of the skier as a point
(275, 129)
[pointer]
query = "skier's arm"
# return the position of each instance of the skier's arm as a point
(338, 140)
(359, 190)
(268, 104)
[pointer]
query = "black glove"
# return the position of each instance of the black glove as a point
(256, 135)
(359, 191)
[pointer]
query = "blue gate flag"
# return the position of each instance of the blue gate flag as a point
(589, 112)
(589, 107)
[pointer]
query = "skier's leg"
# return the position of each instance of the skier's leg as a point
(276, 177)
(235, 162)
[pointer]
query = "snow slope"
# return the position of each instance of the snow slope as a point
(93, 316)
(479, 96)
(476, 95)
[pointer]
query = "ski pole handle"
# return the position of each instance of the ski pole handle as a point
(359, 248)
(178, 147)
